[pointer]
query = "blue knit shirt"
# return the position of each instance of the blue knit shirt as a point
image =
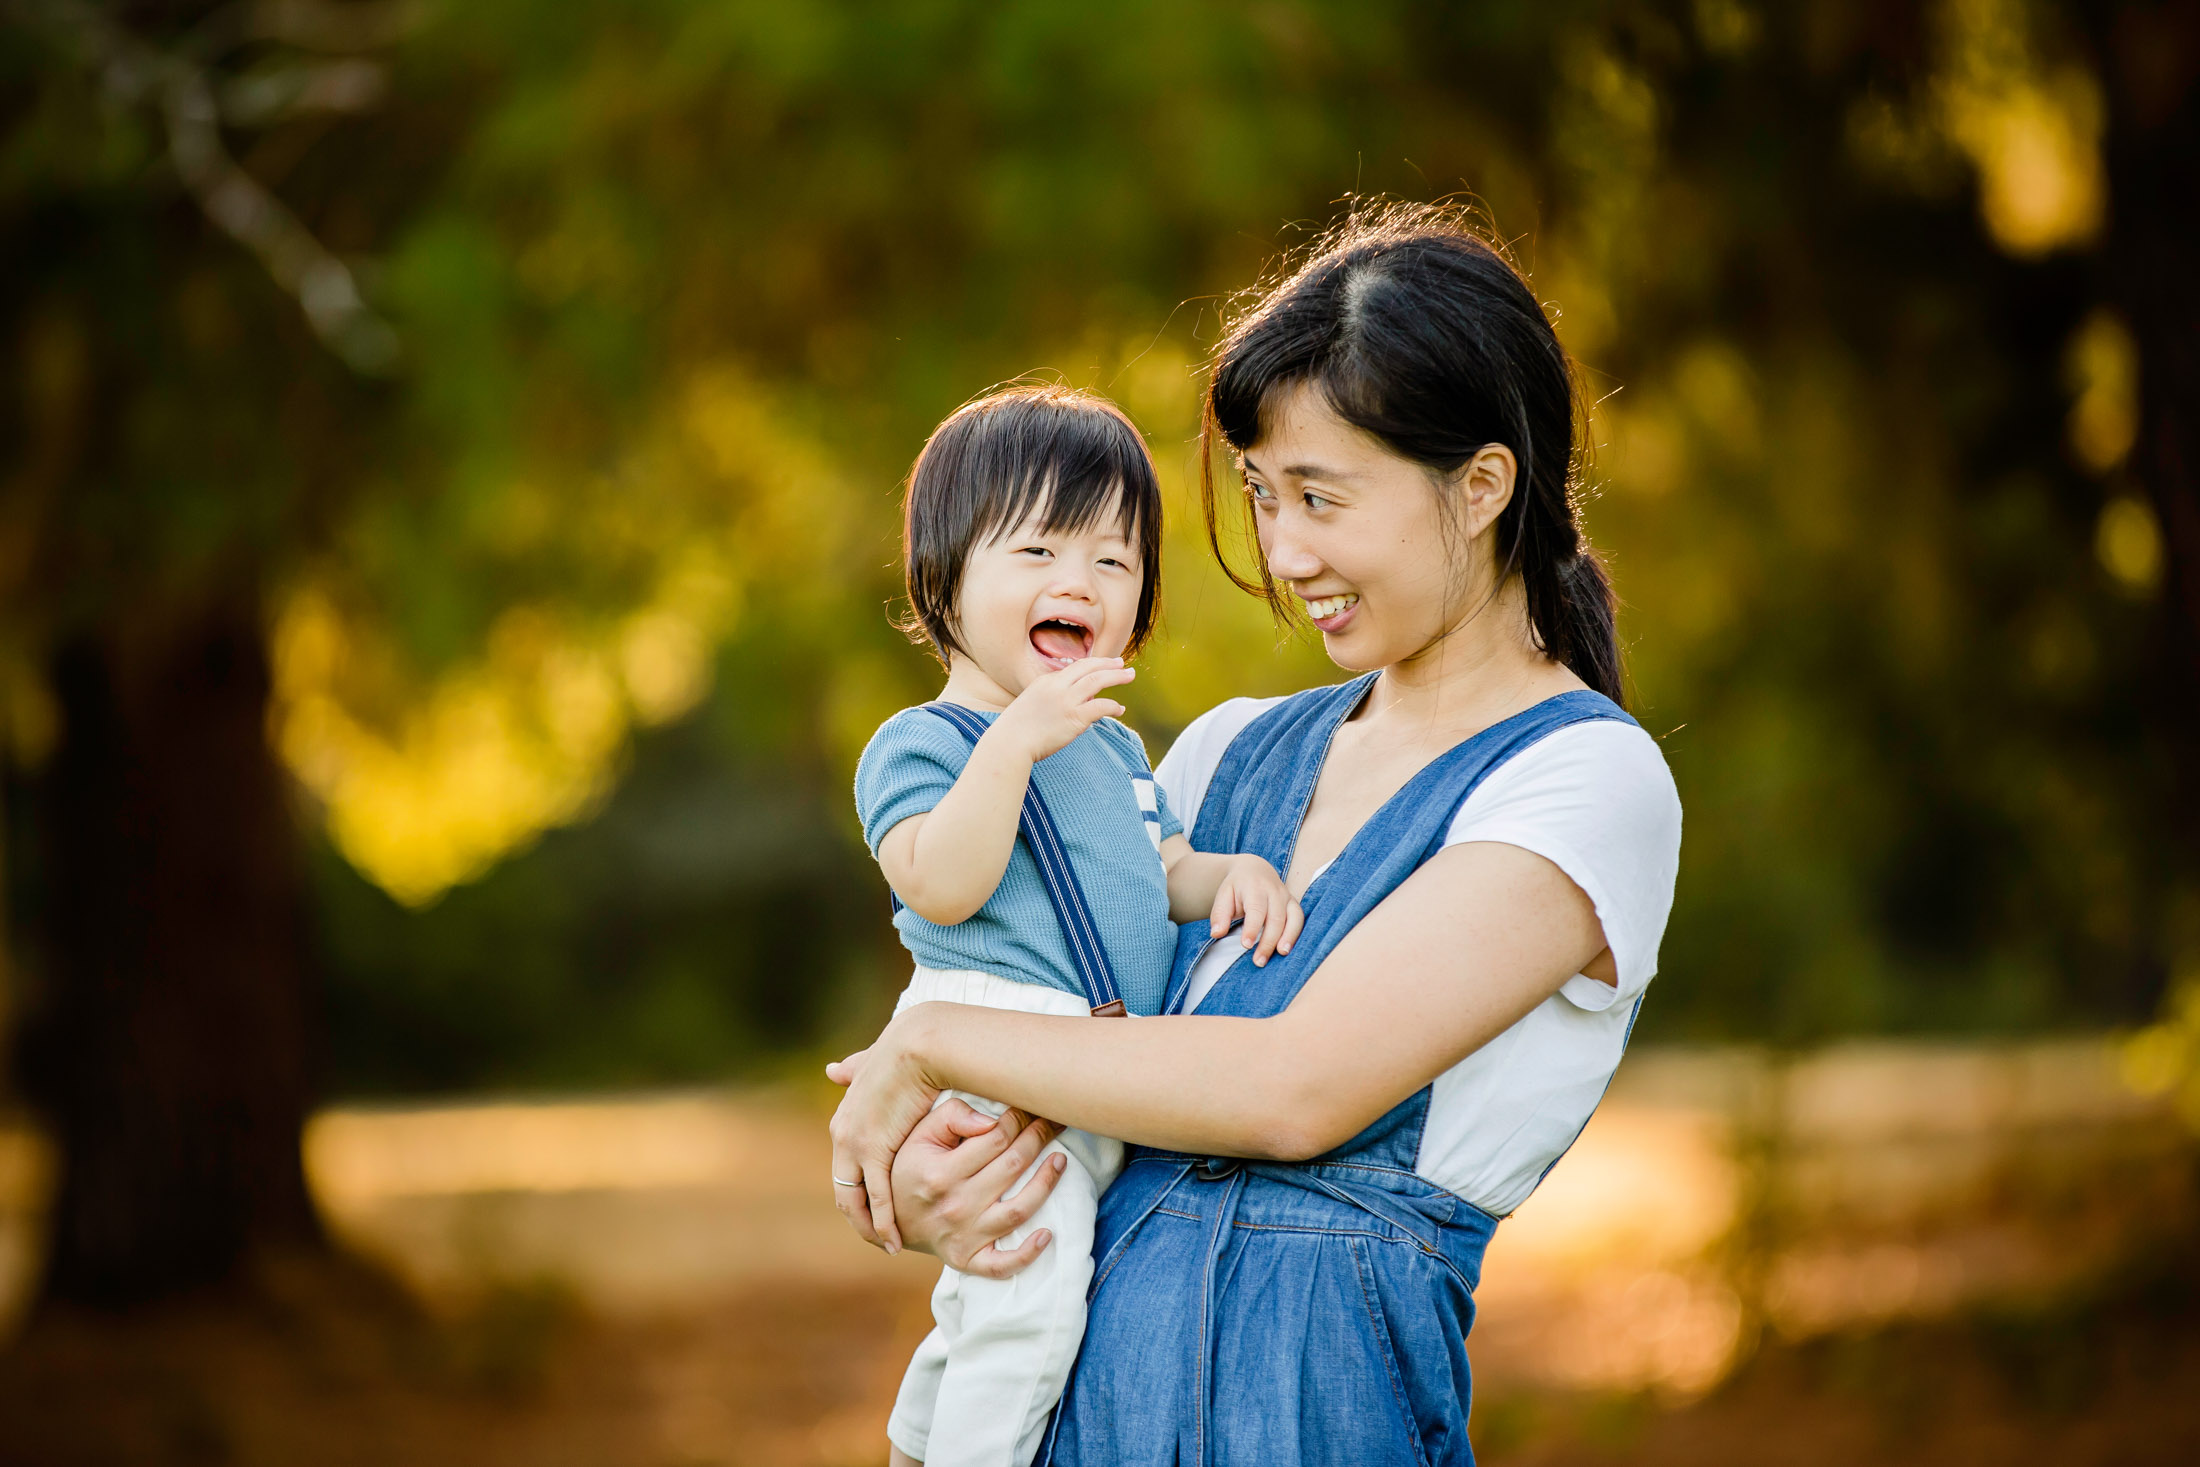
(1112, 818)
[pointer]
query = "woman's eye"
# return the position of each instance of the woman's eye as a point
(1258, 491)
(1318, 501)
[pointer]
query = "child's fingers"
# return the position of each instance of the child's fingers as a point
(1225, 908)
(1257, 905)
(1294, 919)
(1271, 933)
(1084, 677)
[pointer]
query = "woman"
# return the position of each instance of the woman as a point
(1484, 845)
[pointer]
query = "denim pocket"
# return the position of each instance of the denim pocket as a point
(1418, 1311)
(1384, 1346)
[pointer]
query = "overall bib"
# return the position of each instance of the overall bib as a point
(1252, 1314)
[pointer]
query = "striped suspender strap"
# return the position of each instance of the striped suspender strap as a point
(1040, 834)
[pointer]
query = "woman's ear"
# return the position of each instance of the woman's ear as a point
(1485, 486)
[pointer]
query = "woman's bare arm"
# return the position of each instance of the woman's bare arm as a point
(1461, 951)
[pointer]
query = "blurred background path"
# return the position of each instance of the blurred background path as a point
(1722, 1204)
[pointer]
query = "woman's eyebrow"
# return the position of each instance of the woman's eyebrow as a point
(1306, 471)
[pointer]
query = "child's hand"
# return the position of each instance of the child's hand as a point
(1251, 889)
(1059, 706)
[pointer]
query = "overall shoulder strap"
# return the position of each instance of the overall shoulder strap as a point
(1267, 772)
(1406, 831)
(1068, 898)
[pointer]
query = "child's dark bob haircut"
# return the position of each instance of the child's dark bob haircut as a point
(1068, 457)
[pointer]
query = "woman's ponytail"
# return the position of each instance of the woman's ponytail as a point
(1418, 330)
(1572, 611)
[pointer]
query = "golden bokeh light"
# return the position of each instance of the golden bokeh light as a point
(2129, 543)
(2032, 131)
(2101, 370)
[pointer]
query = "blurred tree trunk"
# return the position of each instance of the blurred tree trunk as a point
(2150, 62)
(169, 1049)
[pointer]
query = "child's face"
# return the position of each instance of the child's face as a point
(1033, 602)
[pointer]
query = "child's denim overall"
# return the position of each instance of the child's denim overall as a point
(1251, 1314)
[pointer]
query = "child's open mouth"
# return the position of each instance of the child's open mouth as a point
(1061, 642)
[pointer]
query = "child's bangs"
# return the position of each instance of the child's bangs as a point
(1087, 480)
(1059, 498)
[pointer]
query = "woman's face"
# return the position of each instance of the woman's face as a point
(1364, 537)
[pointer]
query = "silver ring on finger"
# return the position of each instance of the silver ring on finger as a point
(844, 1182)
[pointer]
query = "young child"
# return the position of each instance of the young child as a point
(1032, 547)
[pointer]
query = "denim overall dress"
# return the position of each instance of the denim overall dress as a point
(1249, 1313)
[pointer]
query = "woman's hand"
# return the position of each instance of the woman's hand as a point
(951, 1165)
(948, 1180)
(888, 1093)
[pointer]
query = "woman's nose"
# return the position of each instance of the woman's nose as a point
(1290, 558)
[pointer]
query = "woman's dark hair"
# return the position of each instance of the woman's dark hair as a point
(1066, 456)
(1416, 329)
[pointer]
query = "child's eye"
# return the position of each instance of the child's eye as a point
(1118, 564)
(1035, 550)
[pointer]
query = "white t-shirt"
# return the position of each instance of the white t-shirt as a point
(1594, 799)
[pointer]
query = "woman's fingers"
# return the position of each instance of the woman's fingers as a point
(1010, 1213)
(863, 1189)
(962, 1119)
(974, 1137)
(991, 1263)
(844, 1071)
(851, 1197)
(998, 1176)
(878, 1184)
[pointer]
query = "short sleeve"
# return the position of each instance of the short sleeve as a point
(1170, 825)
(907, 769)
(1131, 748)
(1597, 801)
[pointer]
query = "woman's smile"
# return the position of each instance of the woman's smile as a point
(1331, 614)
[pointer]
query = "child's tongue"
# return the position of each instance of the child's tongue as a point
(1057, 641)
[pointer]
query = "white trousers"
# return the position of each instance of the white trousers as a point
(979, 1389)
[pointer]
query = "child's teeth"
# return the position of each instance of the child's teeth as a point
(1329, 606)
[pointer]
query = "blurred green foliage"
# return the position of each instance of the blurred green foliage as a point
(680, 287)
